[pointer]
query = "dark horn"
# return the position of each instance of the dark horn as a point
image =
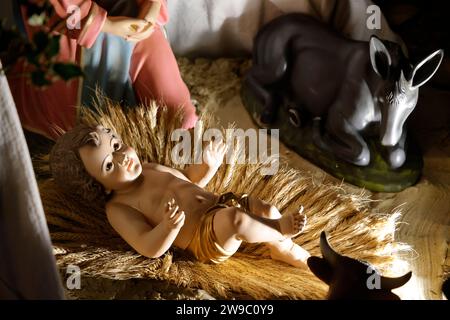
(392, 283)
(327, 251)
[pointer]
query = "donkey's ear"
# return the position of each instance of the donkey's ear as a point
(321, 269)
(425, 69)
(379, 57)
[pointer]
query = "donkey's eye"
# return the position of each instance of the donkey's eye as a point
(294, 118)
(109, 166)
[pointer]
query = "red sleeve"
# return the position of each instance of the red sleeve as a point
(163, 17)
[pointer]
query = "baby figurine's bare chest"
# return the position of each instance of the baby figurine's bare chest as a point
(152, 194)
(158, 188)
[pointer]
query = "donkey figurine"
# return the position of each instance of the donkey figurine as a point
(351, 279)
(355, 87)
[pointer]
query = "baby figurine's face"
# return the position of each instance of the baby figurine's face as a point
(112, 163)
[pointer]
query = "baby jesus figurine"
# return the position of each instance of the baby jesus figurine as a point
(153, 207)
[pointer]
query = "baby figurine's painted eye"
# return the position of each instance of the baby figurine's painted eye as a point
(117, 146)
(109, 166)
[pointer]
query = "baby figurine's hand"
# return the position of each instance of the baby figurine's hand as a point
(173, 218)
(214, 153)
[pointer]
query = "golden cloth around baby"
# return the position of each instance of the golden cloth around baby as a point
(204, 244)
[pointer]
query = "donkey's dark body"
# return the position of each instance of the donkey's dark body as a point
(349, 84)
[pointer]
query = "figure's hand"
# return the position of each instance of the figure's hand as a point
(149, 11)
(131, 29)
(144, 34)
(173, 218)
(214, 153)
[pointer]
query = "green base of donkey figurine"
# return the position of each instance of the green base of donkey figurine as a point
(377, 176)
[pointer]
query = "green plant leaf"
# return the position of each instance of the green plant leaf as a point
(31, 55)
(53, 46)
(67, 70)
(38, 78)
(40, 40)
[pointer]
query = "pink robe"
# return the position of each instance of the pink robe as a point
(153, 71)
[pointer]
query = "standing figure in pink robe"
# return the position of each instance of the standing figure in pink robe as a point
(120, 45)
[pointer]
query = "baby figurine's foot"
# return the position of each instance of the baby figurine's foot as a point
(291, 224)
(289, 252)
